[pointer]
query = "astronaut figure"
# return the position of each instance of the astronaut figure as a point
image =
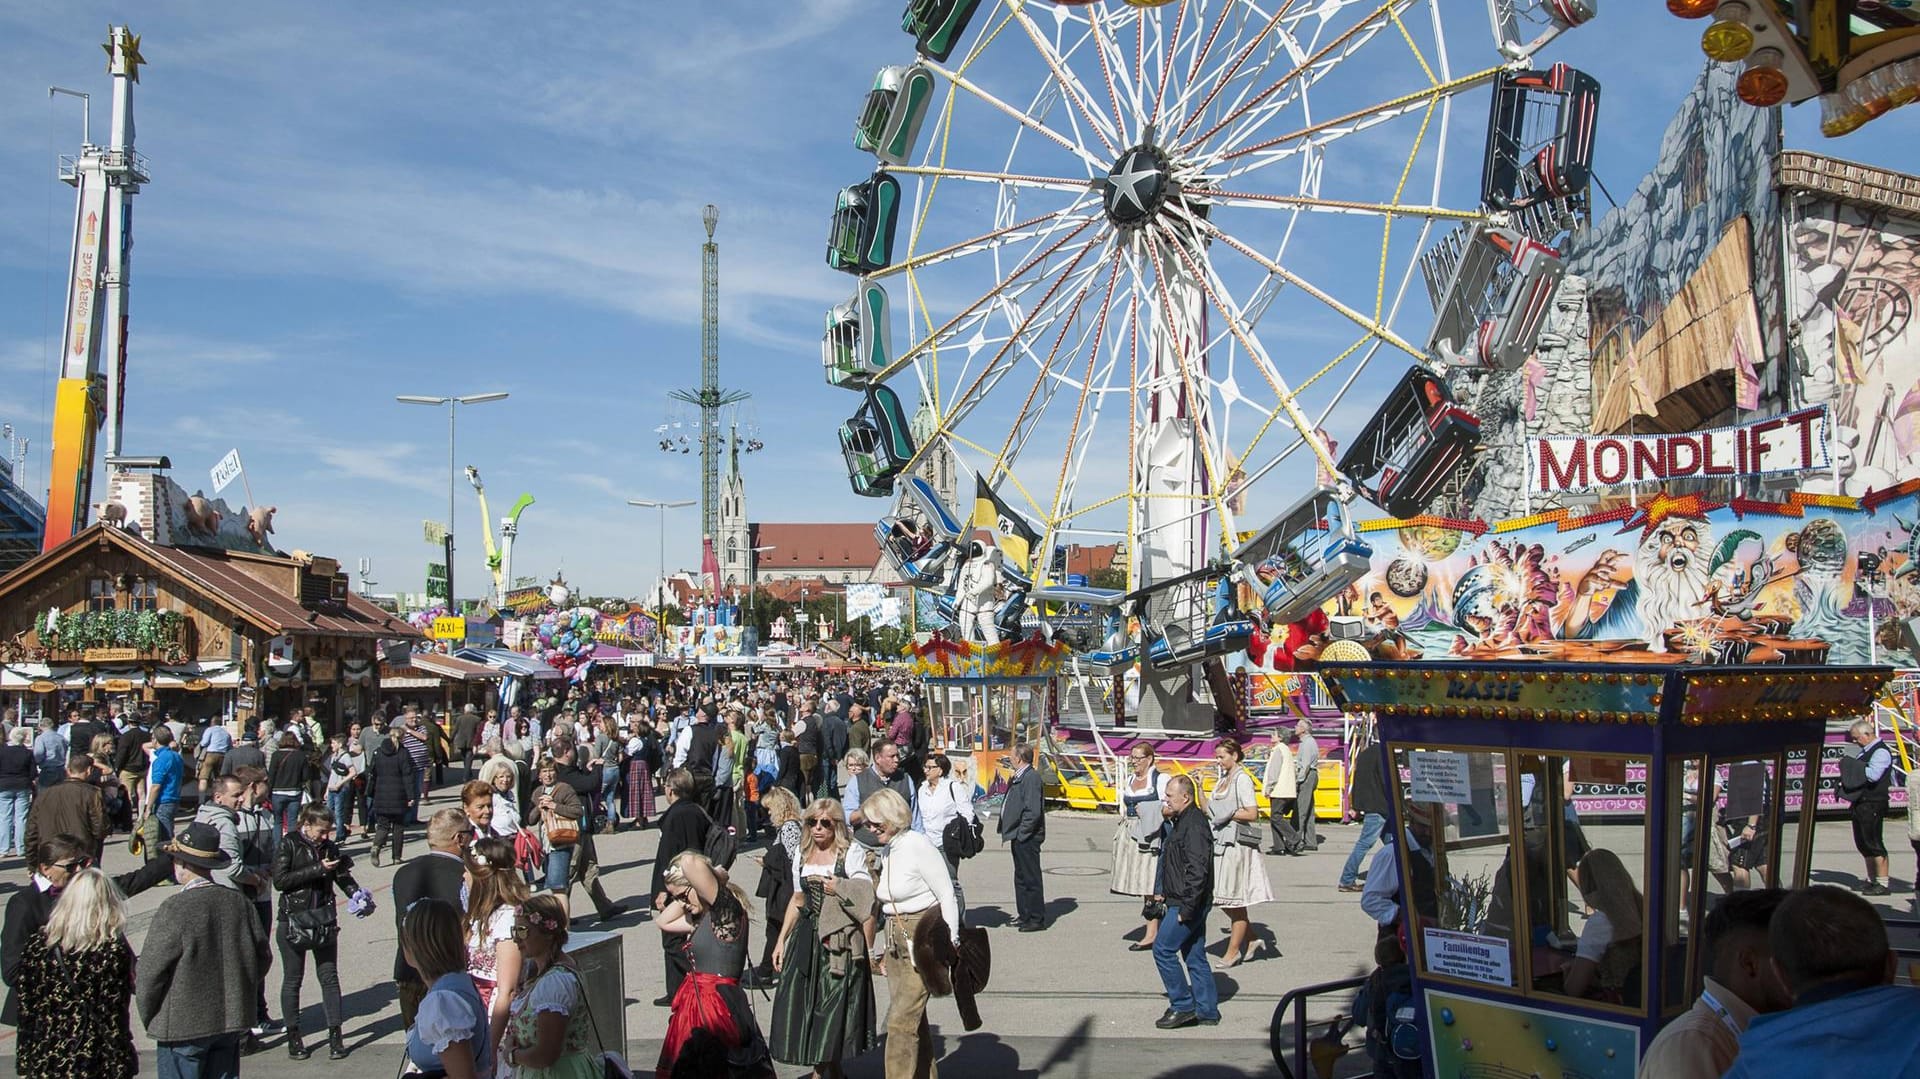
(977, 589)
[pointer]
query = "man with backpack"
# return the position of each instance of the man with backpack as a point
(1864, 781)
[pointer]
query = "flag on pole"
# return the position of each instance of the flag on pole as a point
(1015, 537)
(226, 471)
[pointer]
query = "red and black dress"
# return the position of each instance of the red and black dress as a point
(713, 1031)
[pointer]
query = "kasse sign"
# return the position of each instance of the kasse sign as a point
(1795, 442)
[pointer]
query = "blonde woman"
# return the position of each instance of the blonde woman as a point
(74, 982)
(914, 886)
(824, 1010)
(776, 875)
(711, 1013)
(1239, 874)
(1136, 839)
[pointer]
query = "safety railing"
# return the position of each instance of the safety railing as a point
(1292, 1010)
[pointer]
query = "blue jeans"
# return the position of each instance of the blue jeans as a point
(286, 810)
(1370, 828)
(13, 820)
(1180, 945)
(337, 803)
(163, 813)
(206, 1058)
(559, 861)
(610, 793)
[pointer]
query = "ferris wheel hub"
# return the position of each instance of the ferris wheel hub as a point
(1137, 186)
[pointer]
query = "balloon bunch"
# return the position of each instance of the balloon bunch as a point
(423, 621)
(566, 637)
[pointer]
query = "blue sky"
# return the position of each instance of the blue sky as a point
(352, 202)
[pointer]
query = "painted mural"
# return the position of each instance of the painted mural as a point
(1817, 579)
(1853, 287)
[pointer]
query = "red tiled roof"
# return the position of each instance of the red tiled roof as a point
(1090, 559)
(811, 546)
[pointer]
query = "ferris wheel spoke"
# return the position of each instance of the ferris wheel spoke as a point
(962, 82)
(1105, 127)
(1258, 201)
(1372, 326)
(1342, 126)
(1080, 407)
(1375, 19)
(1013, 179)
(1230, 69)
(933, 339)
(1168, 49)
(1000, 364)
(1066, 215)
(1021, 420)
(1100, 52)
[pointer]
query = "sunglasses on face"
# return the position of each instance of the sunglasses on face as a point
(817, 822)
(73, 866)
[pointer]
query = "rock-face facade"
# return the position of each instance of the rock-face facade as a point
(1550, 395)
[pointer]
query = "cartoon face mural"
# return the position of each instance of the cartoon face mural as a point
(1678, 579)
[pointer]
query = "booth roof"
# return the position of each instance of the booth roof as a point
(510, 662)
(453, 667)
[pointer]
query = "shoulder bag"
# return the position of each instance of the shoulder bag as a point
(1246, 833)
(561, 832)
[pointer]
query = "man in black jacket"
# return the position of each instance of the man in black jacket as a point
(833, 745)
(1369, 800)
(440, 875)
(683, 826)
(1186, 886)
(585, 866)
(1023, 824)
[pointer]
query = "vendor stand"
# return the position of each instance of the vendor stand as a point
(1480, 758)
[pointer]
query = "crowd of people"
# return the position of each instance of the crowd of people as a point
(860, 829)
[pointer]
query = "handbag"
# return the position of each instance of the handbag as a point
(310, 929)
(1247, 834)
(1152, 910)
(562, 832)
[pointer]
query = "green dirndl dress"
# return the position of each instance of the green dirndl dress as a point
(820, 1015)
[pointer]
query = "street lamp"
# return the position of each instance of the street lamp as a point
(655, 504)
(801, 621)
(452, 404)
(753, 573)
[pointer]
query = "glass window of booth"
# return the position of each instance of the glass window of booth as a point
(1456, 856)
(1585, 874)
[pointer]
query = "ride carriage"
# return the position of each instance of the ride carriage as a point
(1099, 636)
(1411, 445)
(1540, 138)
(1491, 288)
(919, 536)
(937, 25)
(1191, 617)
(859, 338)
(1304, 557)
(1513, 20)
(864, 221)
(890, 121)
(876, 442)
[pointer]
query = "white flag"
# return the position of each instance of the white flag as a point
(864, 599)
(226, 471)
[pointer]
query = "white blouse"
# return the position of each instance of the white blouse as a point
(856, 866)
(506, 816)
(939, 805)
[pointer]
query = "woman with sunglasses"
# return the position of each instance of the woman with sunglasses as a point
(711, 1015)
(75, 979)
(824, 1009)
(449, 1032)
(914, 886)
(1136, 841)
(55, 863)
(550, 1033)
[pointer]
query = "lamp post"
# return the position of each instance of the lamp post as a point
(802, 621)
(753, 573)
(452, 404)
(660, 589)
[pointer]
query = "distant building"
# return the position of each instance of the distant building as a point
(766, 553)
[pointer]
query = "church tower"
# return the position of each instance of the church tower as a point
(733, 543)
(938, 467)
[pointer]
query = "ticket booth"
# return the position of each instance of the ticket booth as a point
(1549, 941)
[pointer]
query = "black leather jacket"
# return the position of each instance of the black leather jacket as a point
(1186, 865)
(303, 883)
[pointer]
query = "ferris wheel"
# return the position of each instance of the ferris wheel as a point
(1130, 262)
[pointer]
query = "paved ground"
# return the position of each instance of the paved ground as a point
(1071, 1001)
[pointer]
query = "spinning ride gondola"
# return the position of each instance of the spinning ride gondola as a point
(859, 338)
(1412, 444)
(1304, 558)
(877, 443)
(920, 535)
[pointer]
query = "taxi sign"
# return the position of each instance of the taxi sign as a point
(449, 628)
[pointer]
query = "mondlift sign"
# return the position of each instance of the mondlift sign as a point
(1795, 442)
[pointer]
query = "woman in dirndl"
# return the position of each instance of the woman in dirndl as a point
(824, 1011)
(712, 1031)
(640, 772)
(1239, 873)
(1136, 839)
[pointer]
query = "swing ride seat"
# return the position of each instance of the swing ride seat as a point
(864, 220)
(889, 123)
(1189, 626)
(1304, 558)
(1106, 644)
(1411, 445)
(1508, 336)
(876, 442)
(1512, 20)
(1540, 137)
(1460, 271)
(937, 25)
(859, 338)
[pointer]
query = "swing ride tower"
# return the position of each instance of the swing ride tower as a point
(710, 398)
